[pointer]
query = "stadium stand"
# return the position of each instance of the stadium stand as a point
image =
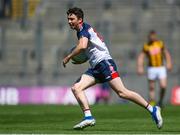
(32, 47)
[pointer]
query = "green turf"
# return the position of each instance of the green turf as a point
(111, 119)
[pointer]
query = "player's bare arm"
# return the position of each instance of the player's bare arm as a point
(82, 45)
(168, 59)
(140, 63)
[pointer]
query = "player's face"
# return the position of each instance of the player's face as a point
(74, 21)
(152, 37)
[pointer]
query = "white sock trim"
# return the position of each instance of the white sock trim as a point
(87, 113)
(149, 108)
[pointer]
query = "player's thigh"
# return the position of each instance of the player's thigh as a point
(151, 73)
(84, 82)
(162, 77)
(117, 85)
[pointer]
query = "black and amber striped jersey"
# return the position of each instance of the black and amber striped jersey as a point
(154, 52)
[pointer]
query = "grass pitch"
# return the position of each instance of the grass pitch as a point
(111, 119)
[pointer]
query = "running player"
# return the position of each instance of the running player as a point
(156, 53)
(103, 69)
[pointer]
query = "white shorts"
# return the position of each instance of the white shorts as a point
(154, 73)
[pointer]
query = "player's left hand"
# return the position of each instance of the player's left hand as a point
(169, 67)
(140, 70)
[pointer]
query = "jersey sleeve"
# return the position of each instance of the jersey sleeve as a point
(83, 33)
(144, 48)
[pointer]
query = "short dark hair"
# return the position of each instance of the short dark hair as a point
(152, 32)
(77, 11)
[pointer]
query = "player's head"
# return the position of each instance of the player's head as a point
(75, 17)
(152, 36)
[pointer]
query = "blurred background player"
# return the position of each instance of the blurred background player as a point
(102, 69)
(103, 95)
(157, 53)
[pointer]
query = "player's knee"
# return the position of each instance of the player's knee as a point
(151, 88)
(75, 88)
(124, 93)
(163, 86)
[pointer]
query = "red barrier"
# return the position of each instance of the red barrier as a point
(175, 96)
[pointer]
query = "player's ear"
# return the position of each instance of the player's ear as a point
(80, 20)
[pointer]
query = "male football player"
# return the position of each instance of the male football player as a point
(102, 69)
(157, 54)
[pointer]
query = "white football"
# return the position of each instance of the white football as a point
(80, 58)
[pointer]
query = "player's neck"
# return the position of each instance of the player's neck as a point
(152, 41)
(80, 26)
